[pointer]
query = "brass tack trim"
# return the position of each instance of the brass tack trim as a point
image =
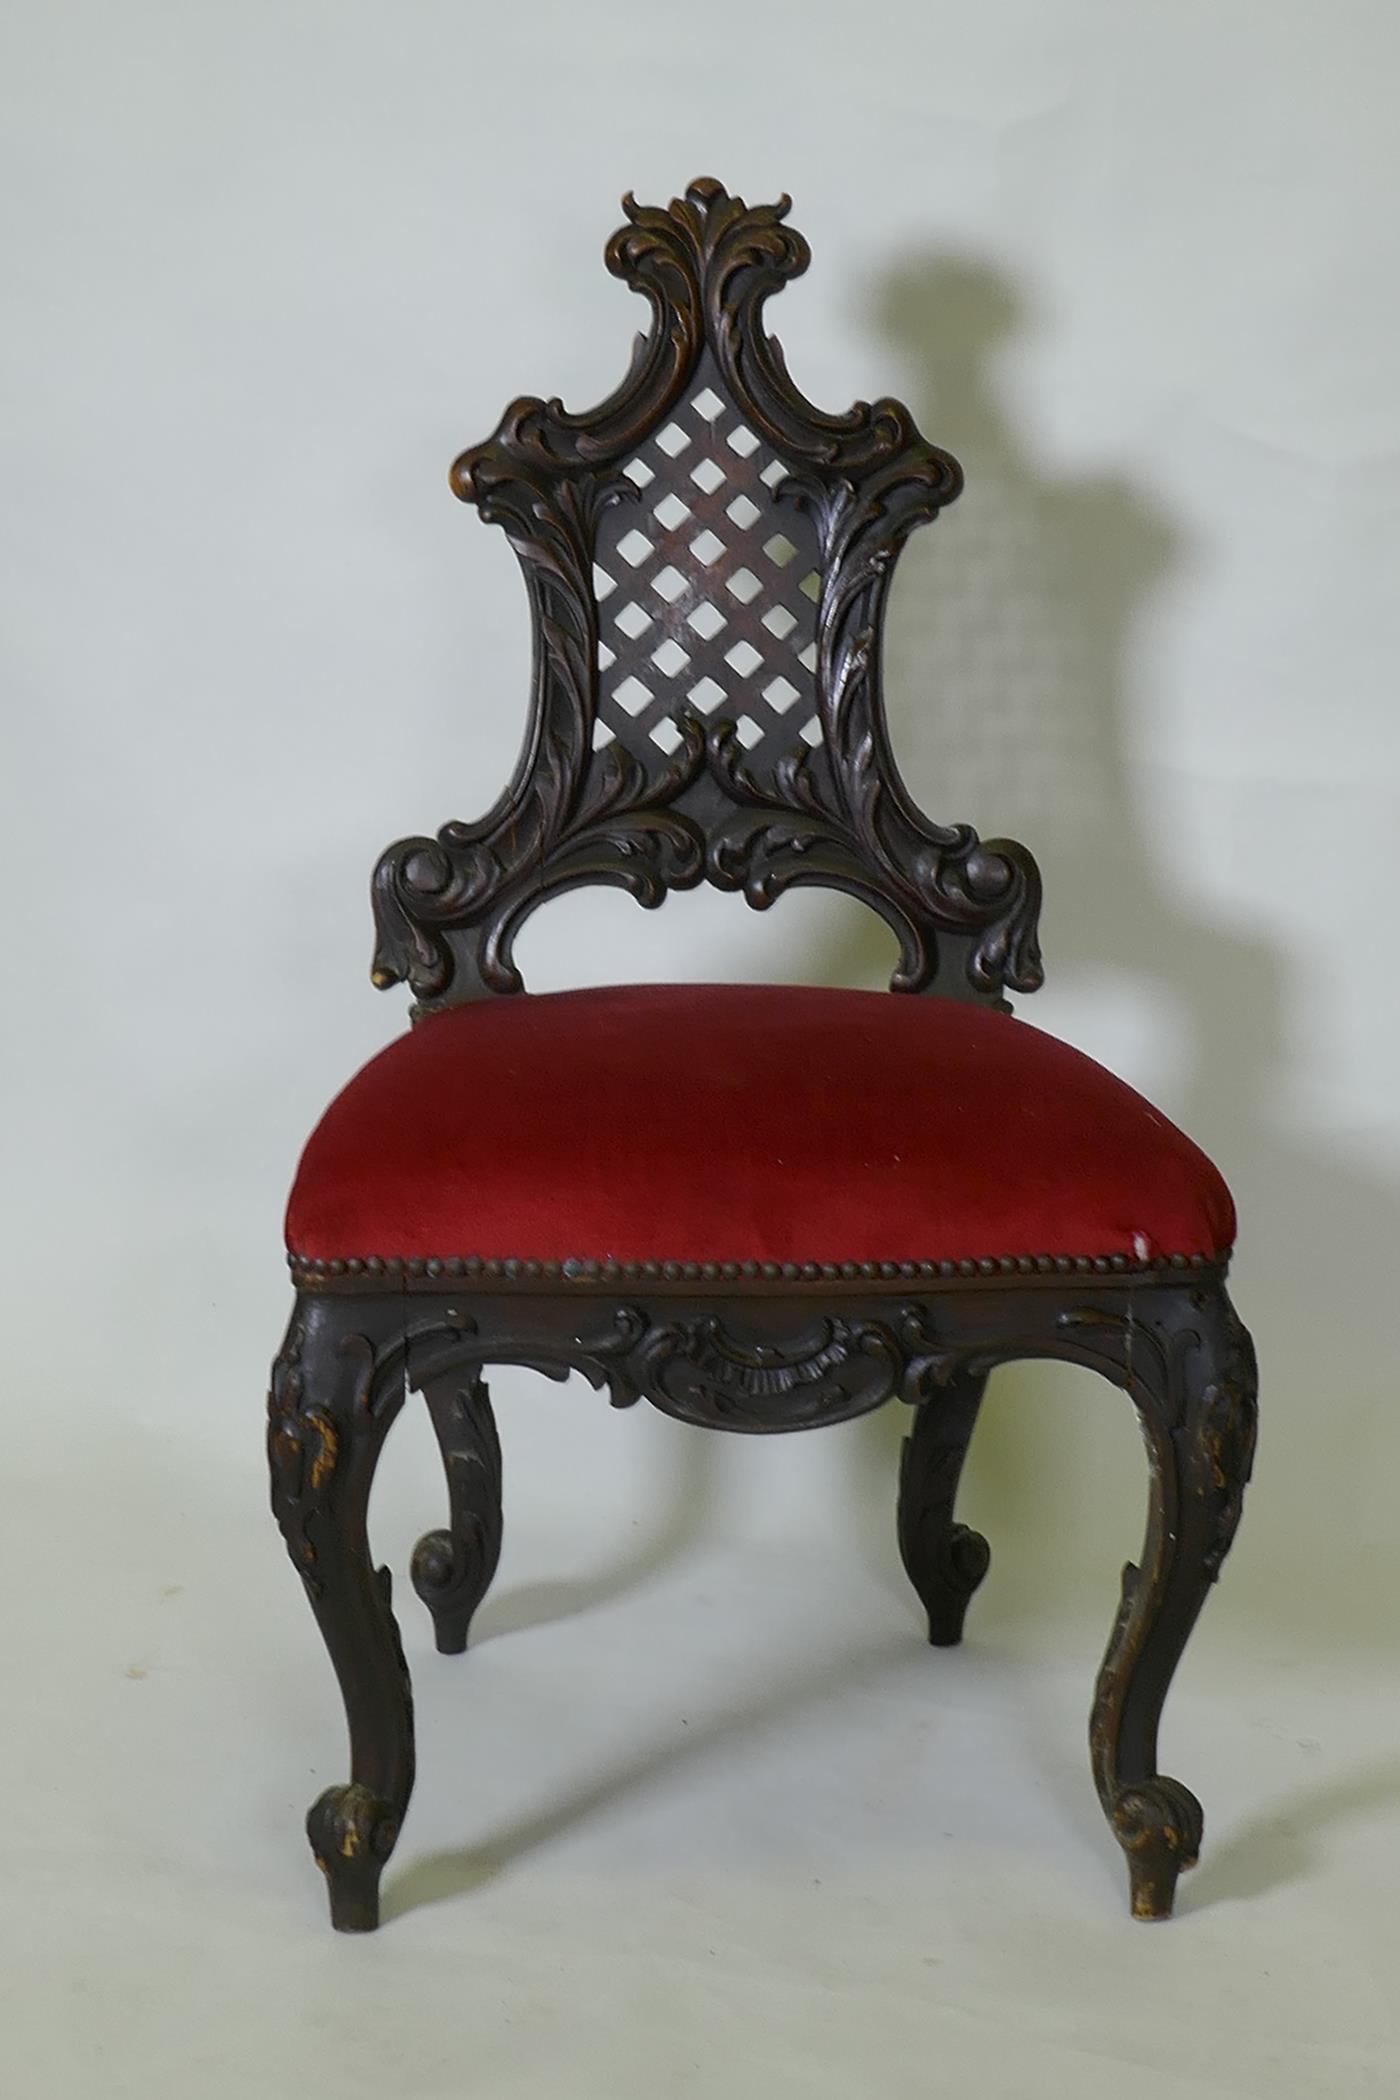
(577, 1268)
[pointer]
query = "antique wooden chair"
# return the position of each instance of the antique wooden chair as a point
(857, 1196)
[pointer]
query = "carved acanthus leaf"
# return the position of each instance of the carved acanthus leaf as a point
(305, 1442)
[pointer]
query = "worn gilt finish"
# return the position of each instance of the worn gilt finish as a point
(660, 754)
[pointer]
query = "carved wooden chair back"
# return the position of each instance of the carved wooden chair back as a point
(708, 557)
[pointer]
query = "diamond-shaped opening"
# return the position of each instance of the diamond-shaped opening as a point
(673, 439)
(709, 476)
(743, 658)
(671, 512)
(780, 693)
(639, 472)
(634, 547)
(779, 550)
(707, 548)
(743, 512)
(606, 657)
(670, 658)
(632, 695)
(811, 731)
(742, 440)
(748, 732)
(633, 621)
(706, 695)
(666, 735)
(808, 657)
(602, 582)
(779, 621)
(669, 584)
(744, 585)
(811, 585)
(773, 473)
(706, 619)
(602, 735)
(707, 404)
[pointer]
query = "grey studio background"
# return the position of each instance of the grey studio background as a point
(700, 1813)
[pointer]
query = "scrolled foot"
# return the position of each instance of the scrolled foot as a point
(948, 1589)
(451, 1577)
(1159, 1824)
(352, 1834)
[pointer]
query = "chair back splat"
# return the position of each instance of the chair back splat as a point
(707, 557)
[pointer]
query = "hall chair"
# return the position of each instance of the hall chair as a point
(760, 1208)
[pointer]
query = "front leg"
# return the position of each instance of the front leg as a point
(336, 1389)
(1192, 1374)
(452, 1569)
(944, 1561)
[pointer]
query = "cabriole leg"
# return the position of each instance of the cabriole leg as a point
(452, 1569)
(1192, 1376)
(944, 1561)
(334, 1396)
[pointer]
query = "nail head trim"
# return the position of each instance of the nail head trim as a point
(586, 1268)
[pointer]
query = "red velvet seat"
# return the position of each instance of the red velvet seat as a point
(684, 1123)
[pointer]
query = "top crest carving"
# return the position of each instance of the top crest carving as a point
(707, 557)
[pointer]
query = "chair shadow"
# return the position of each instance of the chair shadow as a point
(693, 1495)
(438, 1877)
(1273, 1846)
(1266, 1851)
(1015, 701)
(1269, 1850)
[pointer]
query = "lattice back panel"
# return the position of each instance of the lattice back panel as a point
(710, 587)
(707, 591)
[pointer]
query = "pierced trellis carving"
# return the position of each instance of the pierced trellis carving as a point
(707, 590)
(707, 494)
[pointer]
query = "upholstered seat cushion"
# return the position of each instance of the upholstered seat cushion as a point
(703, 1123)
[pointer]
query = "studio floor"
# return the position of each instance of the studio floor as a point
(699, 1813)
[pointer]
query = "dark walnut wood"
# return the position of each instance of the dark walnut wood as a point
(707, 557)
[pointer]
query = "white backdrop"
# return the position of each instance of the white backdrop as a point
(268, 267)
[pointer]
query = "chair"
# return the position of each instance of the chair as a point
(836, 1197)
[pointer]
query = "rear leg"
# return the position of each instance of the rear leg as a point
(452, 1569)
(944, 1561)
